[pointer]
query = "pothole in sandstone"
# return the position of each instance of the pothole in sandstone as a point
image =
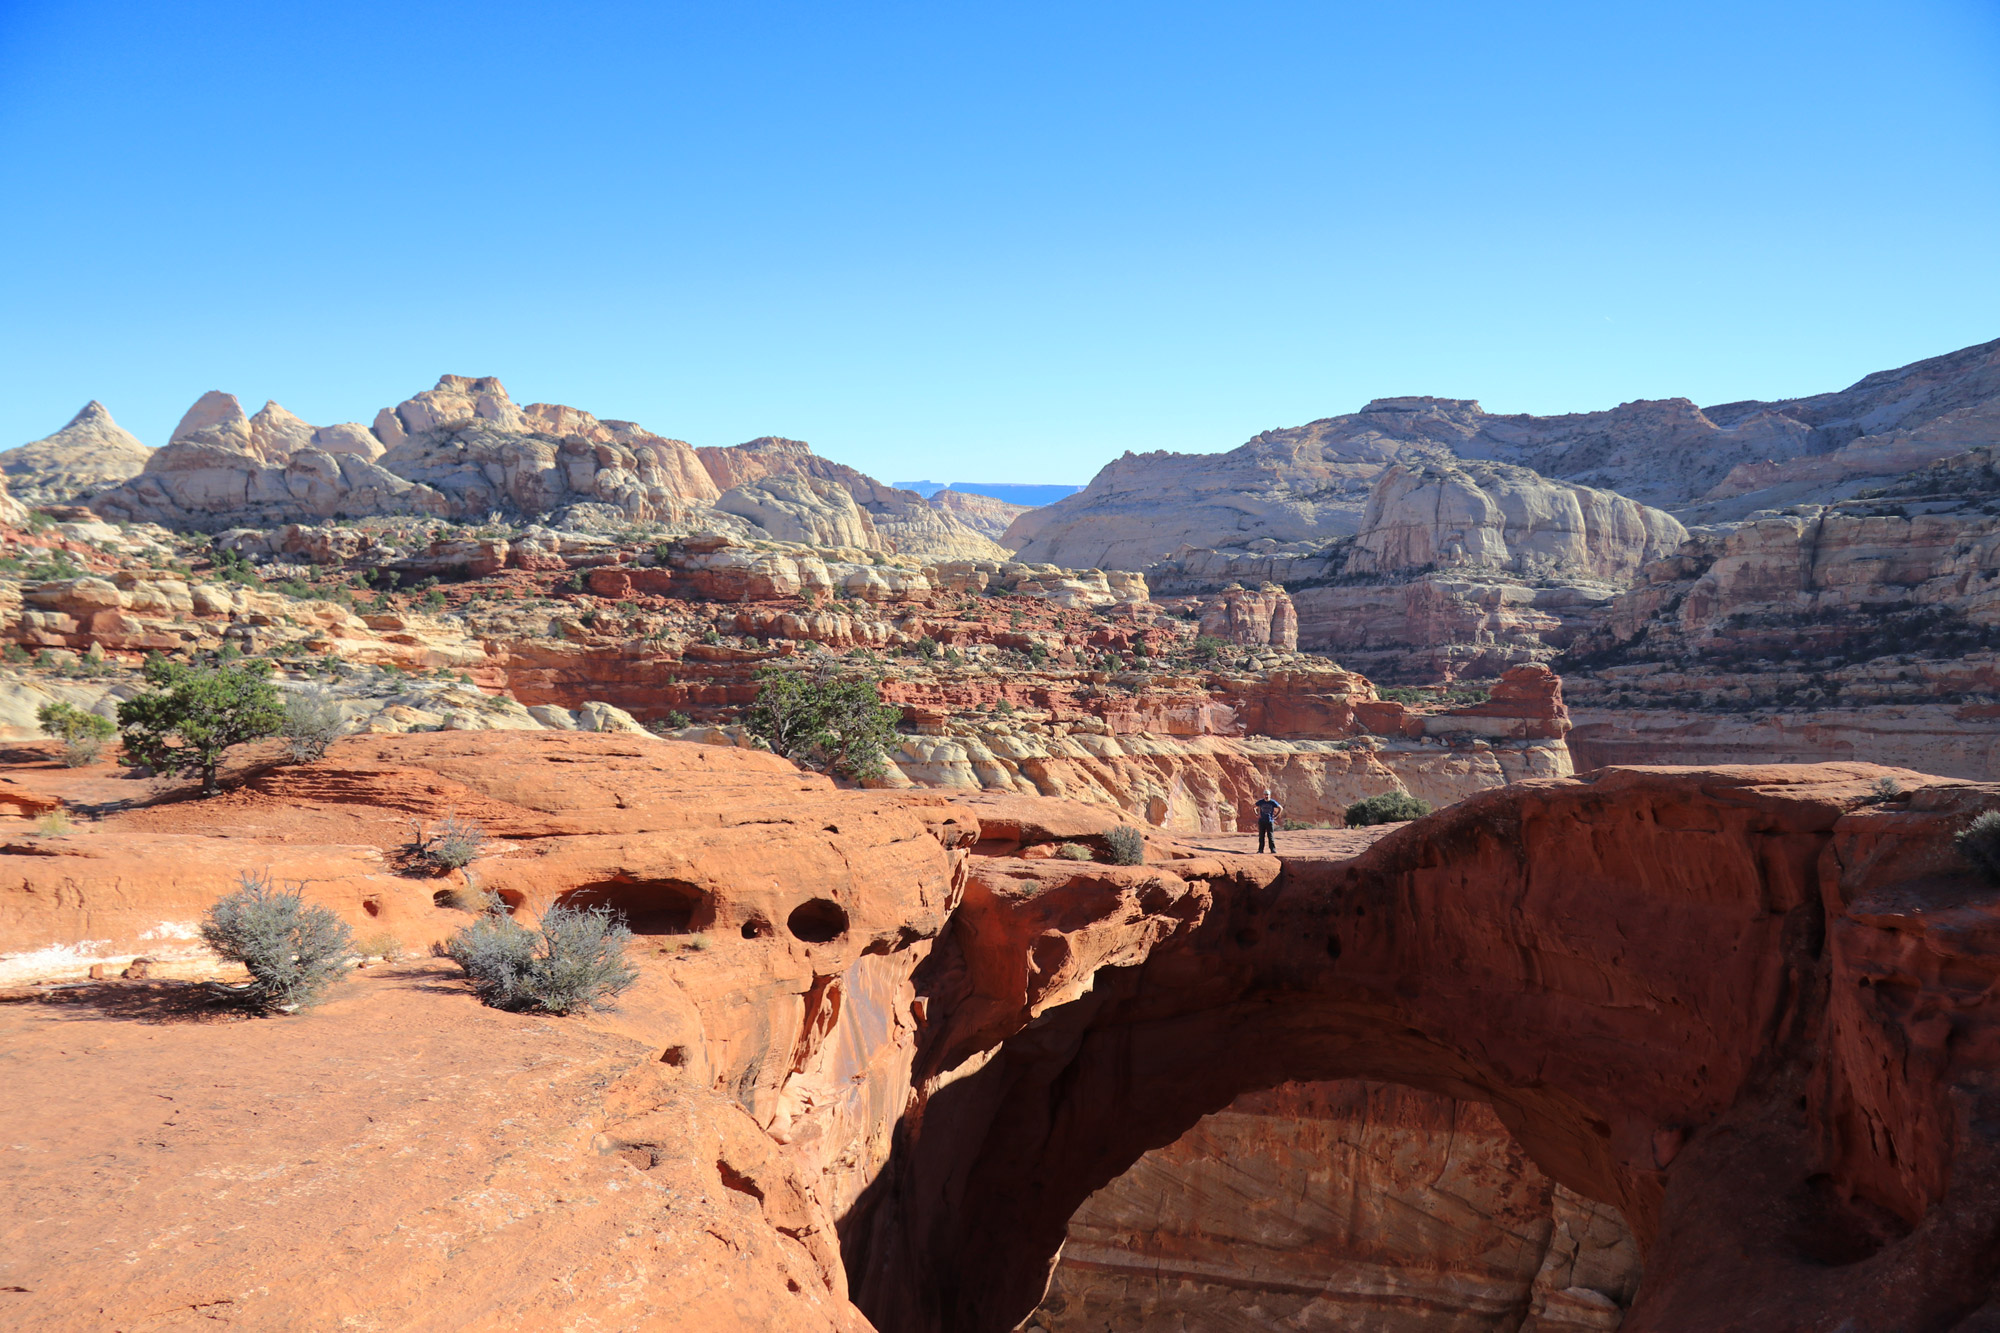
(817, 921)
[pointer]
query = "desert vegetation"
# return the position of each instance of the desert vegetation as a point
(294, 950)
(574, 960)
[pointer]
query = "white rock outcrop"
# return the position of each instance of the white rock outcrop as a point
(90, 454)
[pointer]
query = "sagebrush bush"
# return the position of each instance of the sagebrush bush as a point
(575, 960)
(1075, 851)
(1391, 807)
(294, 950)
(453, 844)
(313, 722)
(1979, 843)
(1126, 844)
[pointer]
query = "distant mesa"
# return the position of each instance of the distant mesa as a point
(1029, 494)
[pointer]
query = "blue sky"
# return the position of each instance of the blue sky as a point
(986, 242)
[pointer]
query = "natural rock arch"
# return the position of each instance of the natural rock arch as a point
(1653, 977)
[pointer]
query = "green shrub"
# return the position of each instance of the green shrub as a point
(1391, 807)
(82, 734)
(1075, 851)
(194, 714)
(294, 951)
(574, 961)
(1207, 647)
(1127, 845)
(1979, 843)
(824, 717)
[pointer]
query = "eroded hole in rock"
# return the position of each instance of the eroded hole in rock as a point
(372, 906)
(757, 928)
(675, 1056)
(649, 906)
(817, 921)
(1297, 1204)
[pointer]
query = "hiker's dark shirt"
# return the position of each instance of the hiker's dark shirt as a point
(1267, 813)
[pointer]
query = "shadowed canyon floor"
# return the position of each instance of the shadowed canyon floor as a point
(885, 1046)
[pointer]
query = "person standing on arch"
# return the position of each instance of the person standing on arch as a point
(1267, 823)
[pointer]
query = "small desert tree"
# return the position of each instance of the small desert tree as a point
(193, 714)
(294, 950)
(82, 734)
(825, 717)
(1391, 807)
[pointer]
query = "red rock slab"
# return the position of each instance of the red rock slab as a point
(400, 1158)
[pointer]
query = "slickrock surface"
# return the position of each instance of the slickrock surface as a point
(915, 1029)
(428, 1163)
(1340, 1206)
(90, 454)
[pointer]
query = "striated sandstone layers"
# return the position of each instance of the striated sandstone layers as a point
(1313, 482)
(1013, 677)
(1337, 1206)
(1457, 570)
(1862, 630)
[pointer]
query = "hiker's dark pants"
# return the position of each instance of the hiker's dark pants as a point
(1266, 840)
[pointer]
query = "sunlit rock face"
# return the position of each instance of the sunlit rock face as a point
(88, 455)
(1323, 1206)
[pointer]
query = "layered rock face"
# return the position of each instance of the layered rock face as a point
(1312, 483)
(1011, 677)
(1456, 570)
(1401, 1211)
(90, 454)
(465, 450)
(914, 525)
(1862, 630)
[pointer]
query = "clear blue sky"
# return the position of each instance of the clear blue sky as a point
(986, 241)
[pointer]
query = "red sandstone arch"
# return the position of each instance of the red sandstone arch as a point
(1744, 1005)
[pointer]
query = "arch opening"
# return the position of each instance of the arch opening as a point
(1303, 1203)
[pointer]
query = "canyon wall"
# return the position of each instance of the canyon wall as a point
(1338, 1206)
(1861, 630)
